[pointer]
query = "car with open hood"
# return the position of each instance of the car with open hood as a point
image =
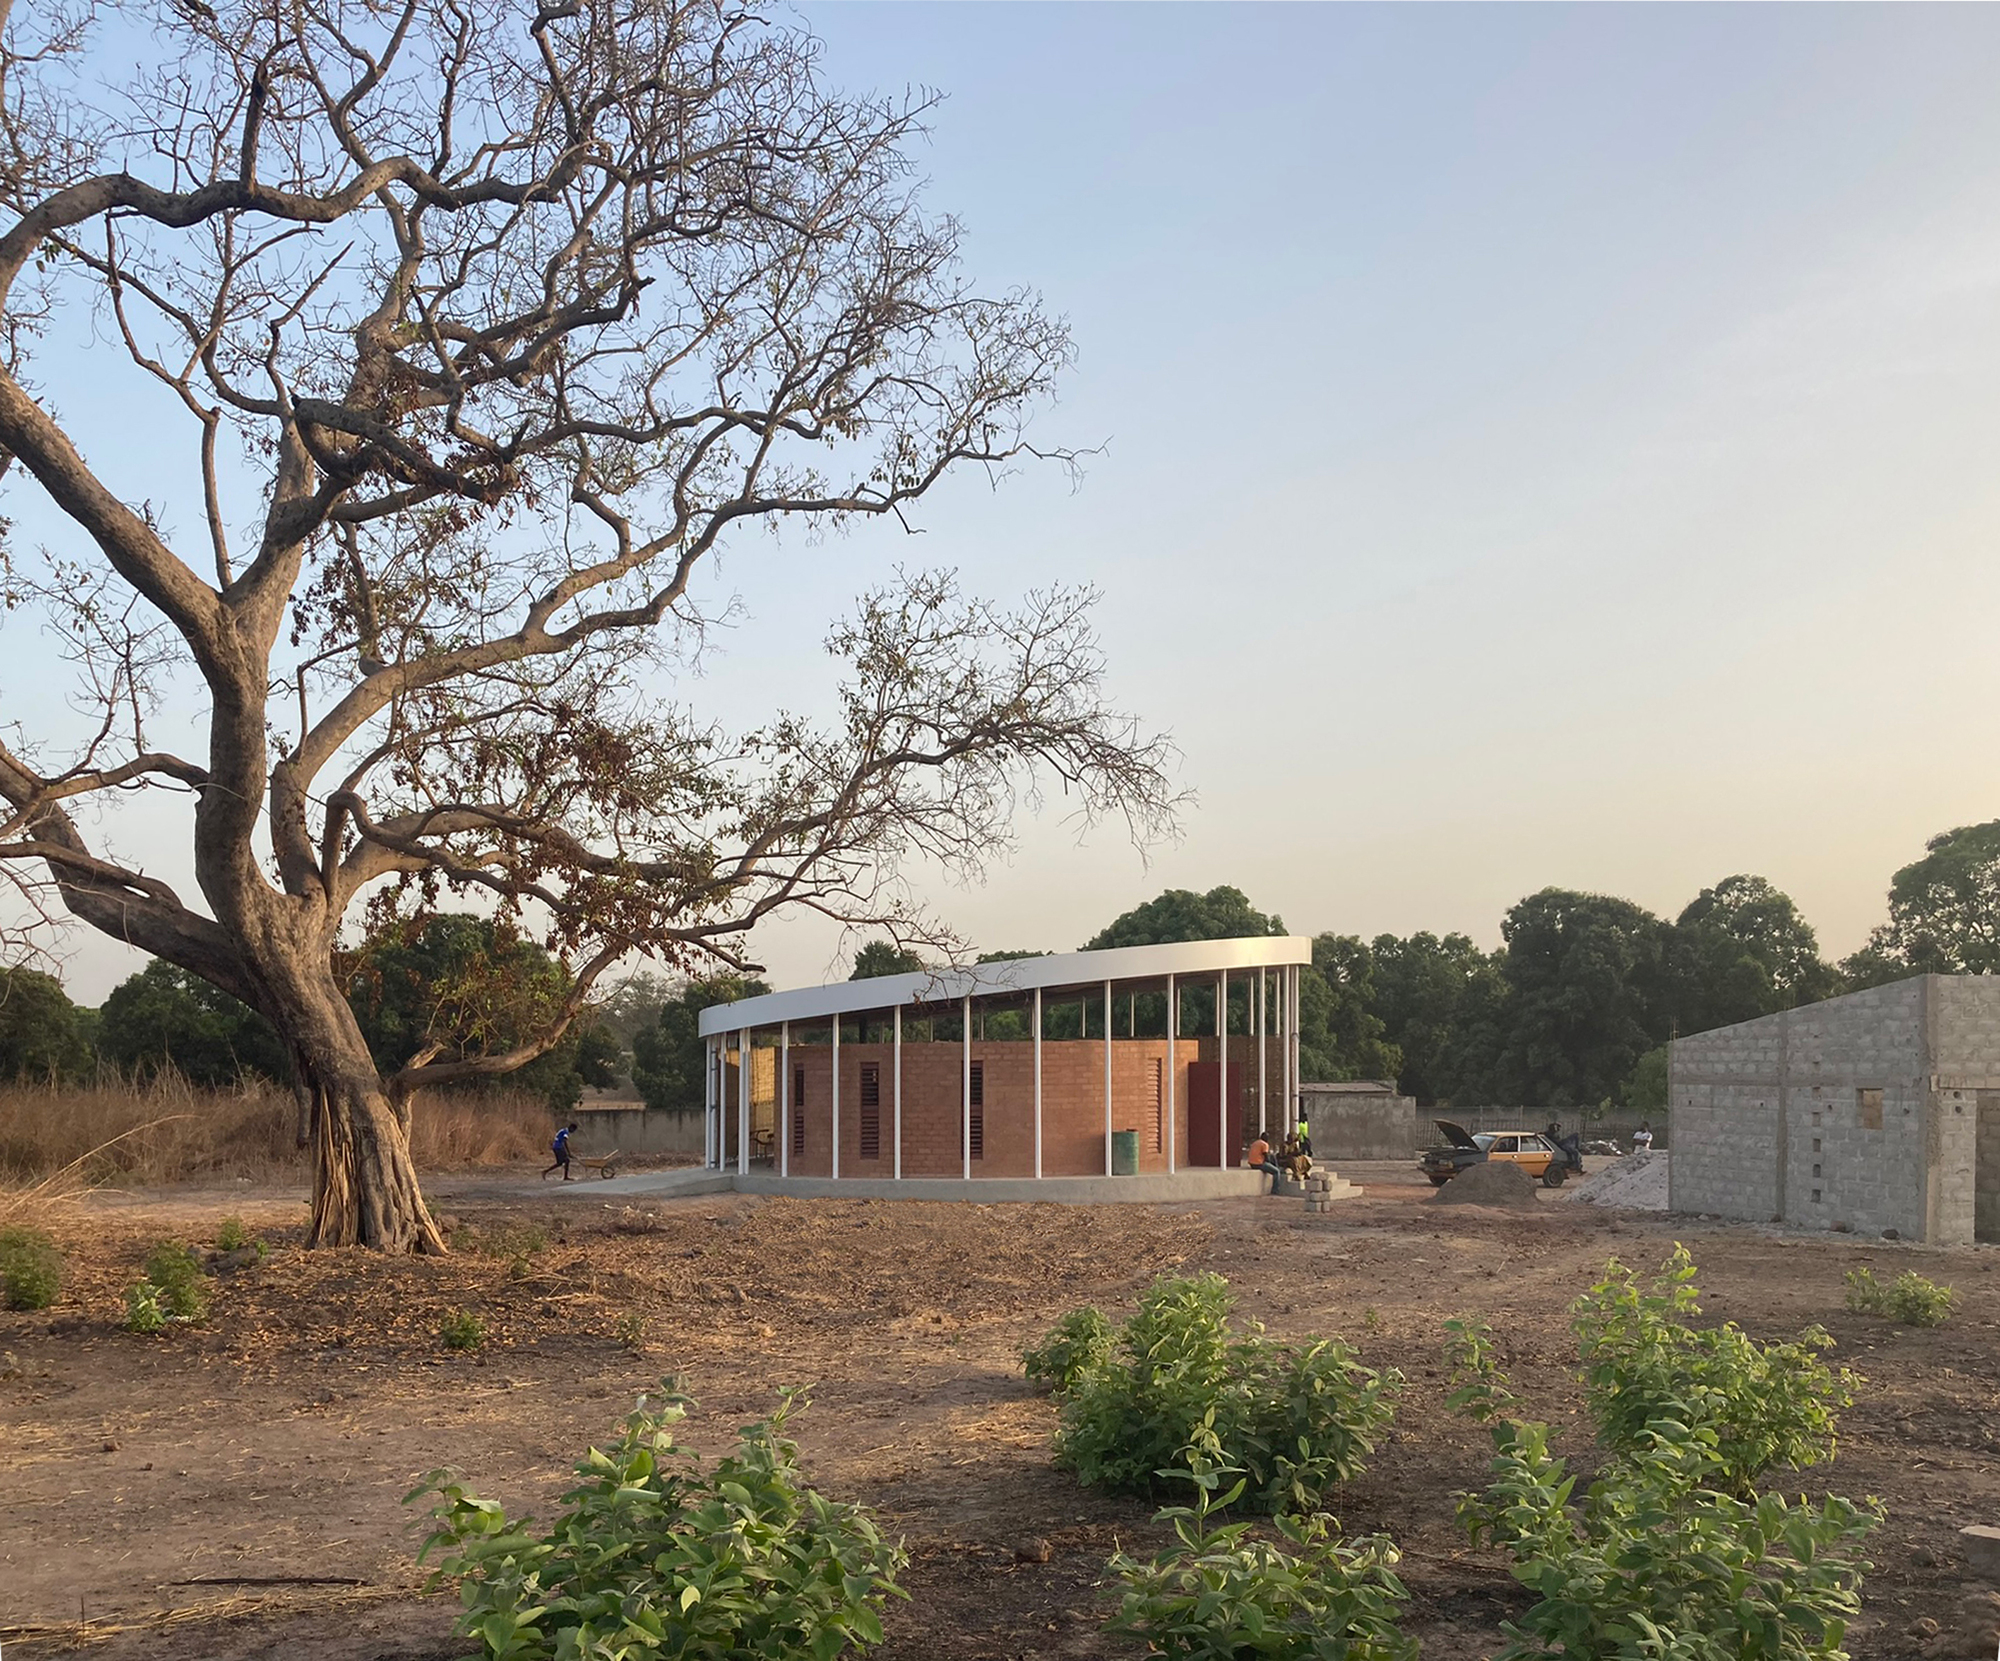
(1546, 1161)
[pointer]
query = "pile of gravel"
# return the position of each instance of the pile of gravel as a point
(1638, 1182)
(1492, 1182)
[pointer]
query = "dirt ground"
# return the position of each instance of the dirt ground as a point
(161, 1495)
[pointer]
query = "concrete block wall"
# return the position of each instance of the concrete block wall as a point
(1350, 1125)
(1860, 1112)
(637, 1129)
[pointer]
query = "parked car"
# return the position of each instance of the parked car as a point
(1549, 1163)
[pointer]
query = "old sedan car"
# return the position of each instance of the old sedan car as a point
(1549, 1163)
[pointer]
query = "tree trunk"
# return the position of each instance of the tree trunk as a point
(365, 1189)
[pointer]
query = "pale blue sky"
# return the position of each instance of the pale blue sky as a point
(1543, 446)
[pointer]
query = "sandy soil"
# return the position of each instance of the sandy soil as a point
(151, 1484)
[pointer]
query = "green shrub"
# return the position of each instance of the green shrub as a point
(174, 1287)
(1909, 1298)
(1295, 1419)
(1221, 1594)
(652, 1555)
(632, 1331)
(143, 1312)
(1767, 1404)
(462, 1330)
(1079, 1343)
(232, 1236)
(1671, 1554)
(1657, 1562)
(30, 1269)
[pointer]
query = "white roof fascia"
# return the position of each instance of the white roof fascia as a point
(1021, 974)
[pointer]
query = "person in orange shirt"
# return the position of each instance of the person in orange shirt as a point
(1260, 1155)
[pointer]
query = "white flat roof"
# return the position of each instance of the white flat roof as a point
(1065, 970)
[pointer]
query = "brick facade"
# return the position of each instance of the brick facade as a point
(1073, 1116)
(1876, 1110)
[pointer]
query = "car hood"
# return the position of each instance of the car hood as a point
(1457, 1135)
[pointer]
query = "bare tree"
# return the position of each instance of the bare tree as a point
(487, 323)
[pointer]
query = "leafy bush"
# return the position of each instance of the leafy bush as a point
(1222, 1594)
(1294, 1419)
(1767, 1404)
(176, 1271)
(1671, 1555)
(462, 1330)
(232, 1236)
(653, 1556)
(1909, 1298)
(172, 1289)
(30, 1269)
(1657, 1562)
(143, 1312)
(1079, 1343)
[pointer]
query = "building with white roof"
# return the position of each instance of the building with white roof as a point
(1137, 1060)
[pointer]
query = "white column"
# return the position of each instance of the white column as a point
(743, 1071)
(784, 1098)
(836, 1095)
(709, 1105)
(1038, 1083)
(899, 1092)
(1222, 1071)
(1285, 1016)
(1107, 1078)
(1292, 1080)
(965, 1084)
(1284, 994)
(1263, 1071)
(1173, 1024)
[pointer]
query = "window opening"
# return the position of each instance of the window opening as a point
(871, 1110)
(977, 1097)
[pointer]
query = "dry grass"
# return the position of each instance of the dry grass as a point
(57, 1142)
(454, 1134)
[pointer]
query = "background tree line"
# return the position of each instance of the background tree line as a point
(1573, 1009)
(454, 986)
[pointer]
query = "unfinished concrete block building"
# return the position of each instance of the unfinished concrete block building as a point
(1873, 1111)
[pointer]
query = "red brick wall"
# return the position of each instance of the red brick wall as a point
(933, 1123)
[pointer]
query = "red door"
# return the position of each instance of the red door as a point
(1206, 1083)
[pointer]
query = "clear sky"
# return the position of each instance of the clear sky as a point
(1542, 446)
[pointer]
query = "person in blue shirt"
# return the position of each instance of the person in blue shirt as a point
(561, 1149)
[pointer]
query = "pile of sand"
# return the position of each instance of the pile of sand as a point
(1489, 1183)
(1638, 1182)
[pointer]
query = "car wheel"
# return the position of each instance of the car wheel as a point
(1439, 1182)
(1554, 1176)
